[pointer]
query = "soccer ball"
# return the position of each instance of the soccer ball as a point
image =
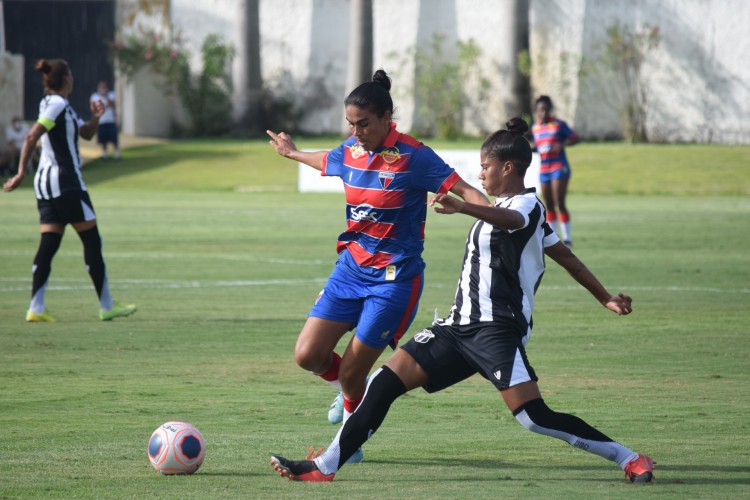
(176, 448)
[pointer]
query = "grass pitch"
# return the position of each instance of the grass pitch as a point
(224, 275)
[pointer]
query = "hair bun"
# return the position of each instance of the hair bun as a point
(517, 125)
(43, 66)
(380, 77)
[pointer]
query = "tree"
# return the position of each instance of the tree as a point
(360, 46)
(248, 85)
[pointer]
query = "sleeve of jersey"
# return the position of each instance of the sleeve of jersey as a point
(431, 173)
(333, 162)
(567, 132)
(49, 114)
(550, 236)
(523, 206)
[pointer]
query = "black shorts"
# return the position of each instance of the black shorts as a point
(106, 133)
(68, 208)
(450, 354)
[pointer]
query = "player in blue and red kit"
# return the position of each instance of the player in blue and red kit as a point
(377, 281)
(550, 136)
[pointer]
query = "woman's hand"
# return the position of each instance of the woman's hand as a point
(450, 204)
(13, 182)
(97, 109)
(282, 143)
(620, 304)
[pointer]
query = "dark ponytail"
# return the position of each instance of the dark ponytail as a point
(374, 95)
(54, 71)
(510, 145)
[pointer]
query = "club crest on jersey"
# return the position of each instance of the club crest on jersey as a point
(364, 212)
(424, 336)
(386, 178)
(357, 150)
(390, 155)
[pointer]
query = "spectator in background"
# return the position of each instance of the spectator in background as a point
(551, 135)
(15, 133)
(107, 130)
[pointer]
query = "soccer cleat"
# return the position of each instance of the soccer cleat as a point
(336, 411)
(301, 470)
(42, 317)
(357, 457)
(639, 470)
(117, 311)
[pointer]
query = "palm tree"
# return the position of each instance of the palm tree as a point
(248, 85)
(360, 46)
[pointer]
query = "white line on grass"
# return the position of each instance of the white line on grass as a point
(70, 284)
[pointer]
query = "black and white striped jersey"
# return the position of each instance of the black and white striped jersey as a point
(60, 163)
(503, 268)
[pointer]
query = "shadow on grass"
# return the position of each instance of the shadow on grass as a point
(673, 473)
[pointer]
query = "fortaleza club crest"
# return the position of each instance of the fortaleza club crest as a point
(356, 150)
(386, 178)
(390, 155)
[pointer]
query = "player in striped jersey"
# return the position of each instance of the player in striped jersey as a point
(61, 194)
(489, 323)
(551, 135)
(377, 282)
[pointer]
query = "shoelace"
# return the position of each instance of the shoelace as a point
(312, 454)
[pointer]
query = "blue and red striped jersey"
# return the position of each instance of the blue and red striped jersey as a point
(545, 136)
(386, 203)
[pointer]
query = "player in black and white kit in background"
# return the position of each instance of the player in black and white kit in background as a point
(489, 323)
(61, 194)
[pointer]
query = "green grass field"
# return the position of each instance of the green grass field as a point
(224, 259)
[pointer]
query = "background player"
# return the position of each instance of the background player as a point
(550, 136)
(106, 132)
(62, 197)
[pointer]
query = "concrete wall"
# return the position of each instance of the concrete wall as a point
(697, 83)
(11, 88)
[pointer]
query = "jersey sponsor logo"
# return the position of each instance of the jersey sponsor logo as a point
(357, 151)
(386, 178)
(390, 155)
(364, 212)
(424, 336)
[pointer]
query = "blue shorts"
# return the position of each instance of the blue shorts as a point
(381, 311)
(559, 173)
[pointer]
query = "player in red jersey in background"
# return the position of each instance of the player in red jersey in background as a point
(551, 135)
(377, 281)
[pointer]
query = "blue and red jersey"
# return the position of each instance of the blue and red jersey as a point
(545, 136)
(386, 203)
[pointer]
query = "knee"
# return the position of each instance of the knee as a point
(534, 415)
(311, 359)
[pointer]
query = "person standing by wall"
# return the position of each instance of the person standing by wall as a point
(107, 130)
(551, 135)
(62, 197)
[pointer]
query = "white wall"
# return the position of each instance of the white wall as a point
(697, 80)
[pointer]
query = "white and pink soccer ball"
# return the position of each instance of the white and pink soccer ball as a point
(176, 448)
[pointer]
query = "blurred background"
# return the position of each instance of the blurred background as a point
(638, 70)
